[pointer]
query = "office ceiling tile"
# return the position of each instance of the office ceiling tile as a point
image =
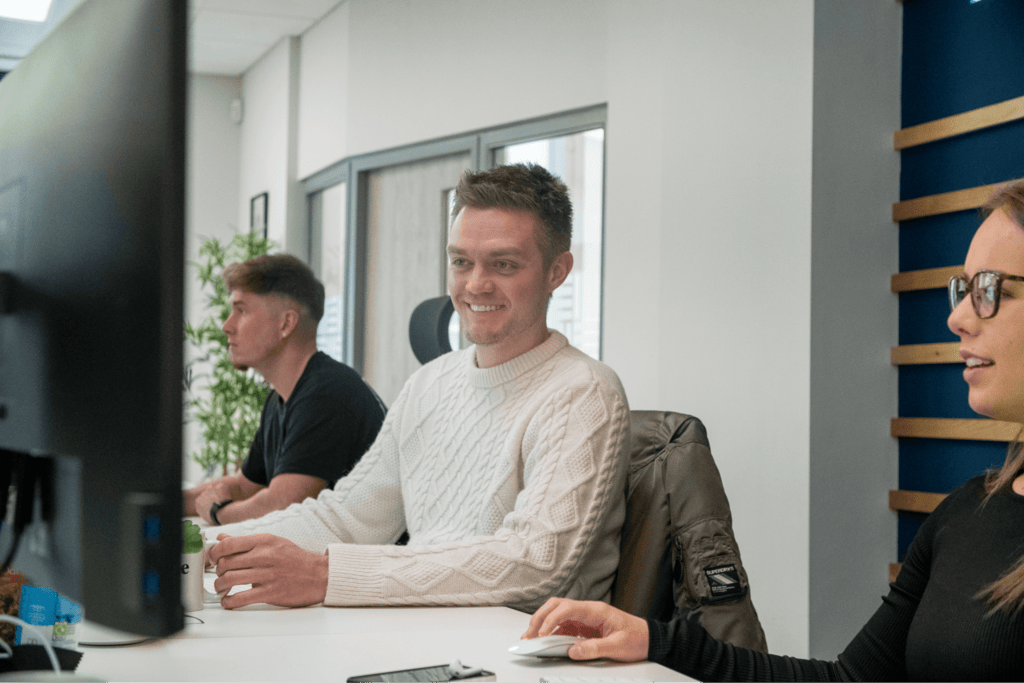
(226, 36)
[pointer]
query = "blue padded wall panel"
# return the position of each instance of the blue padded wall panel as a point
(941, 465)
(986, 156)
(923, 317)
(936, 241)
(933, 391)
(959, 55)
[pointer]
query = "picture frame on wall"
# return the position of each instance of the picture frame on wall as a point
(258, 214)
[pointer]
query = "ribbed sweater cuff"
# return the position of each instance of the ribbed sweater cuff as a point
(678, 644)
(659, 642)
(354, 575)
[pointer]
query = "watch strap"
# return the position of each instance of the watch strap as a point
(215, 508)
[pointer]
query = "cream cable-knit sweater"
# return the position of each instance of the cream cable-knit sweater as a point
(510, 480)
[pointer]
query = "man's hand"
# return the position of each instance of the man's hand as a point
(216, 492)
(610, 632)
(281, 573)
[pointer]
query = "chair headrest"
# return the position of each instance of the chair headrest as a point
(428, 328)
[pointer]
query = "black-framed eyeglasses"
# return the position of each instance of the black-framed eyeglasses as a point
(986, 288)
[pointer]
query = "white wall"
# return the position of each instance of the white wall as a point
(708, 261)
(269, 154)
(324, 93)
(214, 145)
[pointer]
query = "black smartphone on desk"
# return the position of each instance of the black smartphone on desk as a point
(441, 672)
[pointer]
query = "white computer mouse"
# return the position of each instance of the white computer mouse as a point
(545, 646)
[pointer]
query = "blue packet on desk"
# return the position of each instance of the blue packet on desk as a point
(53, 614)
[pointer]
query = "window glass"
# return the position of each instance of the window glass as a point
(575, 308)
(329, 334)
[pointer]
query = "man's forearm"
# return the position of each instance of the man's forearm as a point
(224, 489)
(261, 503)
(240, 488)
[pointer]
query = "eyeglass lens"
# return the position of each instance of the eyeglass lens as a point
(984, 288)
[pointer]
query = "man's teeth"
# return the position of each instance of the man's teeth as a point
(483, 309)
(975, 362)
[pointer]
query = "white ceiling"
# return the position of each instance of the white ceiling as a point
(226, 36)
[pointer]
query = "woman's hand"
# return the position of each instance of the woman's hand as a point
(610, 632)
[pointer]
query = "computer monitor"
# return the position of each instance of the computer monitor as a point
(92, 211)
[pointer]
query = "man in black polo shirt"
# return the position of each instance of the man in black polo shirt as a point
(320, 417)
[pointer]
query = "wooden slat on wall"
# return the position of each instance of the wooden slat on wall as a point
(914, 501)
(921, 354)
(948, 428)
(932, 205)
(930, 278)
(976, 119)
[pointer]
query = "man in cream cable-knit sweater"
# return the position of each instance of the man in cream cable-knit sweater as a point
(506, 461)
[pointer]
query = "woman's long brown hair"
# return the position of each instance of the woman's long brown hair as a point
(1007, 592)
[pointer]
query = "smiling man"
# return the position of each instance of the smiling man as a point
(500, 281)
(505, 461)
(320, 417)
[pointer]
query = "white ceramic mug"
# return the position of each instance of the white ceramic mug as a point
(192, 566)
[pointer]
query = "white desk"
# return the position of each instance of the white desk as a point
(260, 643)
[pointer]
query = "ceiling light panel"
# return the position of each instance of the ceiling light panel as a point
(25, 10)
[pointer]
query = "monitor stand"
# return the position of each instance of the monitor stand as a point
(97, 635)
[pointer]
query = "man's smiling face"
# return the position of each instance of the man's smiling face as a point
(499, 283)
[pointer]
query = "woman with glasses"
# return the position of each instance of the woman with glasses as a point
(956, 610)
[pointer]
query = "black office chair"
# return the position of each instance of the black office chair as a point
(428, 328)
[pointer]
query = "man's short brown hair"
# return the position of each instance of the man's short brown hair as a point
(280, 274)
(524, 187)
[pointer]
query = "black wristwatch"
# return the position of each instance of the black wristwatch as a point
(214, 508)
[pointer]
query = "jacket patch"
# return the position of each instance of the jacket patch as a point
(724, 582)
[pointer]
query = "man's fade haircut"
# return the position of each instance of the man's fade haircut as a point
(523, 187)
(280, 274)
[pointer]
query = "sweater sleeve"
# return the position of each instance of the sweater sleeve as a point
(686, 647)
(363, 507)
(877, 652)
(572, 480)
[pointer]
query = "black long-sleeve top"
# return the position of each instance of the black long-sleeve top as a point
(929, 627)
